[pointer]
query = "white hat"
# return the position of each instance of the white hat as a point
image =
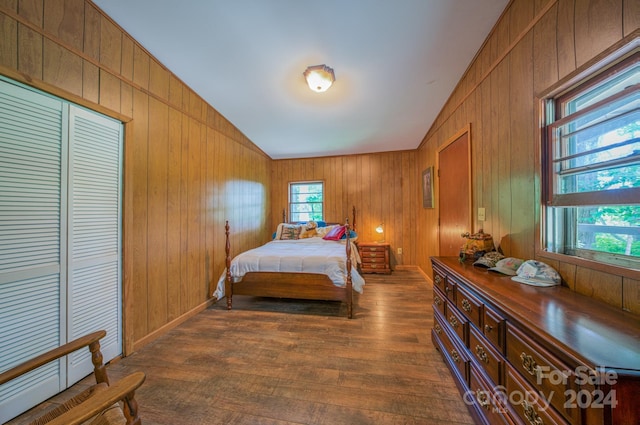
(507, 265)
(537, 273)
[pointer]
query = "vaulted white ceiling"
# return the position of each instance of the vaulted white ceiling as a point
(396, 63)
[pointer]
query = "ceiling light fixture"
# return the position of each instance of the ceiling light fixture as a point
(319, 77)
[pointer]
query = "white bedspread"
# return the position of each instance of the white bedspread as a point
(312, 255)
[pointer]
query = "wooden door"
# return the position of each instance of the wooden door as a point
(454, 192)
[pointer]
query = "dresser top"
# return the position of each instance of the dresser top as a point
(589, 330)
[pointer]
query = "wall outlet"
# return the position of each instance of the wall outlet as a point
(481, 214)
(399, 251)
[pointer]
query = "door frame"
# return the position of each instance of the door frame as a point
(466, 129)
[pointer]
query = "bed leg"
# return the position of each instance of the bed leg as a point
(228, 301)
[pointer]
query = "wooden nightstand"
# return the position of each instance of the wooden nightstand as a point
(375, 257)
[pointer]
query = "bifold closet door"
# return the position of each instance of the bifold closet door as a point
(31, 240)
(60, 239)
(93, 252)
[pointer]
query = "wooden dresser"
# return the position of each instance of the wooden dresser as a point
(375, 257)
(528, 355)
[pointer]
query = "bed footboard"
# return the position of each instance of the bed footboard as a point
(310, 286)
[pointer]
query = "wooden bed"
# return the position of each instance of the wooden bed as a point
(309, 286)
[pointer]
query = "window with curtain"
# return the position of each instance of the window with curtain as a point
(591, 167)
(306, 201)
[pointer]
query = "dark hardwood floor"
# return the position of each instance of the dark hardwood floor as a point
(301, 362)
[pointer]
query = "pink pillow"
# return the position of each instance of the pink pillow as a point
(335, 234)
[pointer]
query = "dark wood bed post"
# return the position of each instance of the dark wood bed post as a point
(349, 283)
(284, 215)
(353, 213)
(227, 250)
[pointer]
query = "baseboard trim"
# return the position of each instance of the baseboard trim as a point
(172, 324)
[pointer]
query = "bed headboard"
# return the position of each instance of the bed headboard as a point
(352, 222)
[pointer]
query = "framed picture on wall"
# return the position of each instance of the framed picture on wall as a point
(427, 188)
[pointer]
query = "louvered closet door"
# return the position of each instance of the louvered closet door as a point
(60, 262)
(94, 235)
(31, 272)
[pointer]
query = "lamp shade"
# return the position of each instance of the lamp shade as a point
(380, 231)
(319, 77)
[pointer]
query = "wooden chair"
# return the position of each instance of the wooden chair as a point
(100, 404)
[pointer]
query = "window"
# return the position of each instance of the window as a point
(592, 167)
(306, 201)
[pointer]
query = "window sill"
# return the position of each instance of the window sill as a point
(590, 264)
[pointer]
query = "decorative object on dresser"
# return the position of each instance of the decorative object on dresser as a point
(375, 257)
(521, 354)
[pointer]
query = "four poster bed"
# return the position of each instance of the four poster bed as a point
(322, 266)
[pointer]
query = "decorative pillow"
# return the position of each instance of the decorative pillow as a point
(335, 234)
(290, 232)
(322, 231)
(353, 236)
(309, 230)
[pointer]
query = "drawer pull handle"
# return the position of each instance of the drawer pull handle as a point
(447, 289)
(466, 305)
(482, 355)
(531, 414)
(453, 321)
(437, 300)
(438, 329)
(529, 364)
(373, 254)
(437, 279)
(487, 328)
(483, 399)
(455, 356)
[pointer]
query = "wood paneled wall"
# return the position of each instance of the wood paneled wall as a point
(382, 186)
(186, 168)
(533, 46)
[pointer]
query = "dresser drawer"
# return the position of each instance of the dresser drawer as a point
(453, 352)
(487, 357)
(469, 305)
(527, 404)
(439, 278)
(372, 250)
(494, 328)
(488, 398)
(439, 302)
(373, 260)
(546, 374)
(458, 324)
(450, 289)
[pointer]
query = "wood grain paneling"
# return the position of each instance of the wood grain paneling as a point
(29, 51)
(531, 48)
(90, 82)
(8, 42)
(209, 171)
(382, 187)
(65, 20)
(110, 45)
(174, 155)
(598, 26)
(157, 196)
(62, 68)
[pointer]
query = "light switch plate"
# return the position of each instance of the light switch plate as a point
(481, 214)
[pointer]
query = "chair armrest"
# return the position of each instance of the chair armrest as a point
(51, 355)
(124, 388)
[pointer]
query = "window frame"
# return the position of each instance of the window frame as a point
(301, 183)
(581, 81)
